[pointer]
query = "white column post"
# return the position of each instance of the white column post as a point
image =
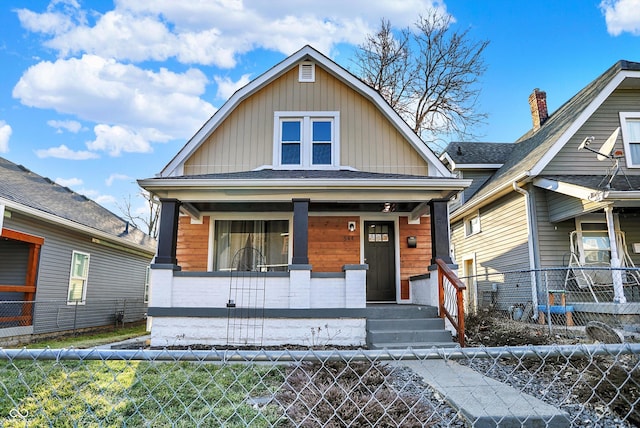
(618, 291)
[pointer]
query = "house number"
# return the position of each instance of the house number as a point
(349, 238)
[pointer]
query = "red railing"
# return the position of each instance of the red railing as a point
(451, 298)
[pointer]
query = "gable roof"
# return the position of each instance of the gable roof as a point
(25, 191)
(535, 149)
(174, 167)
(476, 155)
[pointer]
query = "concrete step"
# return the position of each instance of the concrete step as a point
(404, 323)
(413, 345)
(392, 311)
(408, 336)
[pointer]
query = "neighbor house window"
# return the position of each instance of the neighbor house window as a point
(306, 140)
(631, 138)
(78, 278)
(594, 246)
(472, 225)
(251, 245)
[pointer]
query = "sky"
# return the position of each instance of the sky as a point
(96, 94)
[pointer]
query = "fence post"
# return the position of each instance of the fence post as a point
(548, 306)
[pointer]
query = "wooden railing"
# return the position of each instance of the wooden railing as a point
(451, 298)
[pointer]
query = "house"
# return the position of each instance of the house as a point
(566, 193)
(308, 178)
(66, 263)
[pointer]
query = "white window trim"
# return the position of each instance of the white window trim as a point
(467, 221)
(71, 277)
(306, 144)
(624, 116)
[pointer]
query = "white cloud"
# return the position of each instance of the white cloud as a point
(5, 135)
(216, 32)
(69, 125)
(69, 182)
(622, 16)
(113, 177)
(64, 152)
(116, 139)
(227, 87)
(105, 199)
(105, 91)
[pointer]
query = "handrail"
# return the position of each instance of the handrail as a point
(445, 271)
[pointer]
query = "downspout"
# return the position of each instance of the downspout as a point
(532, 263)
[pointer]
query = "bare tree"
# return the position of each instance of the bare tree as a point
(145, 219)
(430, 76)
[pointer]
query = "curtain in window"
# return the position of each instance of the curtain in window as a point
(263, 239)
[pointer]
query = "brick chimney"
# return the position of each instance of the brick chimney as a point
(538, 104)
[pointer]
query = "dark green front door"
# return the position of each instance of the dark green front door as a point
(379, 254)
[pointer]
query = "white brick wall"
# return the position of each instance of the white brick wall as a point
(183, 331)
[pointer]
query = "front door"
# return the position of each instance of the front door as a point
(379, 254)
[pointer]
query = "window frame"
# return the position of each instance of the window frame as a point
(625, 118)
(84, 278)
(468, 222)
(306, 119)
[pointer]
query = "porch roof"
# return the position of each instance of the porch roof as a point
(268, 185)
(623, 189)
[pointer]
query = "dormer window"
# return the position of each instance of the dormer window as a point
(306, 140)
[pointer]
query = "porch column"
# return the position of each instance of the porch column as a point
(440, 248)
(168, 232)
(616, 274)
(300, 232)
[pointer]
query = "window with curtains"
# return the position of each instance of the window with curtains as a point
(269, 238)
(631, 137)
(77, 292)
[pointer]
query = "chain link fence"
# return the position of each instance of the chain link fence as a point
(21, 319)
(586, 385)
(560, 299)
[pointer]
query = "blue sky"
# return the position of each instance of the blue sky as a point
(95, 94)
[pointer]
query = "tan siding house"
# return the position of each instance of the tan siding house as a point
(307, 178)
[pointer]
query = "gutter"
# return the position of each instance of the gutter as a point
(532, 263)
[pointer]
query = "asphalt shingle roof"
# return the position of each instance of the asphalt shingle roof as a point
(24, 187)
(479, 153)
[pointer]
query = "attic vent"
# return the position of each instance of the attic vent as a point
(307, 72)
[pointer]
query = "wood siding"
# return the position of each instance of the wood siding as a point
(192, 250)
(413, 261)
(331, 245)
(601, 124)
(113, 274)
(244, 141)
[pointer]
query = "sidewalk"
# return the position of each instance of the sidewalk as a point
(133, 343)
(485, 402)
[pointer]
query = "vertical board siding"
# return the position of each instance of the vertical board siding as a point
(192, 250)
(331, 244)
(601, 124)
(244, 141)
(113, 274)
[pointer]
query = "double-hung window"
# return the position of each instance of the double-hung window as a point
(78, 278)
(306, 140)
(472, 225)
(630, 122)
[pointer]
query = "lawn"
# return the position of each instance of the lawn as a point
(136, 393)
(92, 339)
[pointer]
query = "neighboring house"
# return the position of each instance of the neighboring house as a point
(69, 262)
(548, 200)
(309, 177)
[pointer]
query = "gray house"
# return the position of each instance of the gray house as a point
(65, 261)
(566, 193)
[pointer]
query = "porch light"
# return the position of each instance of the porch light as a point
(351, 226)
(388, 207)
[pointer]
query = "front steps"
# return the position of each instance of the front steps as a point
(405, 326)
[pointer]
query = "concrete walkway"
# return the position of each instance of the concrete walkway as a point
(133, 343)
(485, 402)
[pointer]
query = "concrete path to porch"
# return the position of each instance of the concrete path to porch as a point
(485, 402)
